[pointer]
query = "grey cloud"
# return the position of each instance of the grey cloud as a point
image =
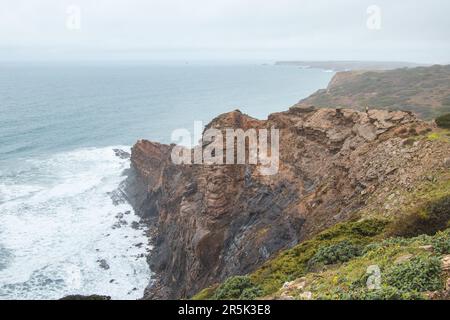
(248, 29)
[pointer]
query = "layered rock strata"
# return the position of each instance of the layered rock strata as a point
(214, 221)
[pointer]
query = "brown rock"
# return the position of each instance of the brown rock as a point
(298, 284)
(403, 258)
(446, 264)
(367, 131)
(307, 295)
(428, 248)
(212, 222)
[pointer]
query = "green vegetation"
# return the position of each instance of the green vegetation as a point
(408, 269)
(443, 121)
(433, 136)
(241, 288)
(385, 293)
(335, 264)
(419, 274)
(441, 243)
(335, 253)
(294, 263)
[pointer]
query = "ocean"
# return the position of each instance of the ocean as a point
(60, 231)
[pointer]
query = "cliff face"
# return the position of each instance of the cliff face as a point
(212, 222)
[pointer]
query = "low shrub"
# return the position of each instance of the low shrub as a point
(239, 287)
(441, 242)
(335, 253)
(443, 121)
(250, 293)
(364, 228)
(419, 274)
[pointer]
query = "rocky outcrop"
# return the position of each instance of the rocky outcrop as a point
(212, 222)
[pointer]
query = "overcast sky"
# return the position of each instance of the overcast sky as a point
(410, 30)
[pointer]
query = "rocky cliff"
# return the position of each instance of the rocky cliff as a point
(212, 222)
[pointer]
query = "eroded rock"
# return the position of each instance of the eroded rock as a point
(211, 222)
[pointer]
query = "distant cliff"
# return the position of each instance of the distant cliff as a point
(423, 90)
(349, 65)
(213, 222)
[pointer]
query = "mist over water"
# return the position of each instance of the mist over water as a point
(59, 125)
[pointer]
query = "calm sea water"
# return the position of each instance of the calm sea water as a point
(59, 125)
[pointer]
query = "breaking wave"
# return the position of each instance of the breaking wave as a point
(61, 233)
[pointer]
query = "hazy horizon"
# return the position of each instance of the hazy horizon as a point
(225, 30)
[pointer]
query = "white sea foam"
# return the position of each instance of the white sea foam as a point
(56, 226)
